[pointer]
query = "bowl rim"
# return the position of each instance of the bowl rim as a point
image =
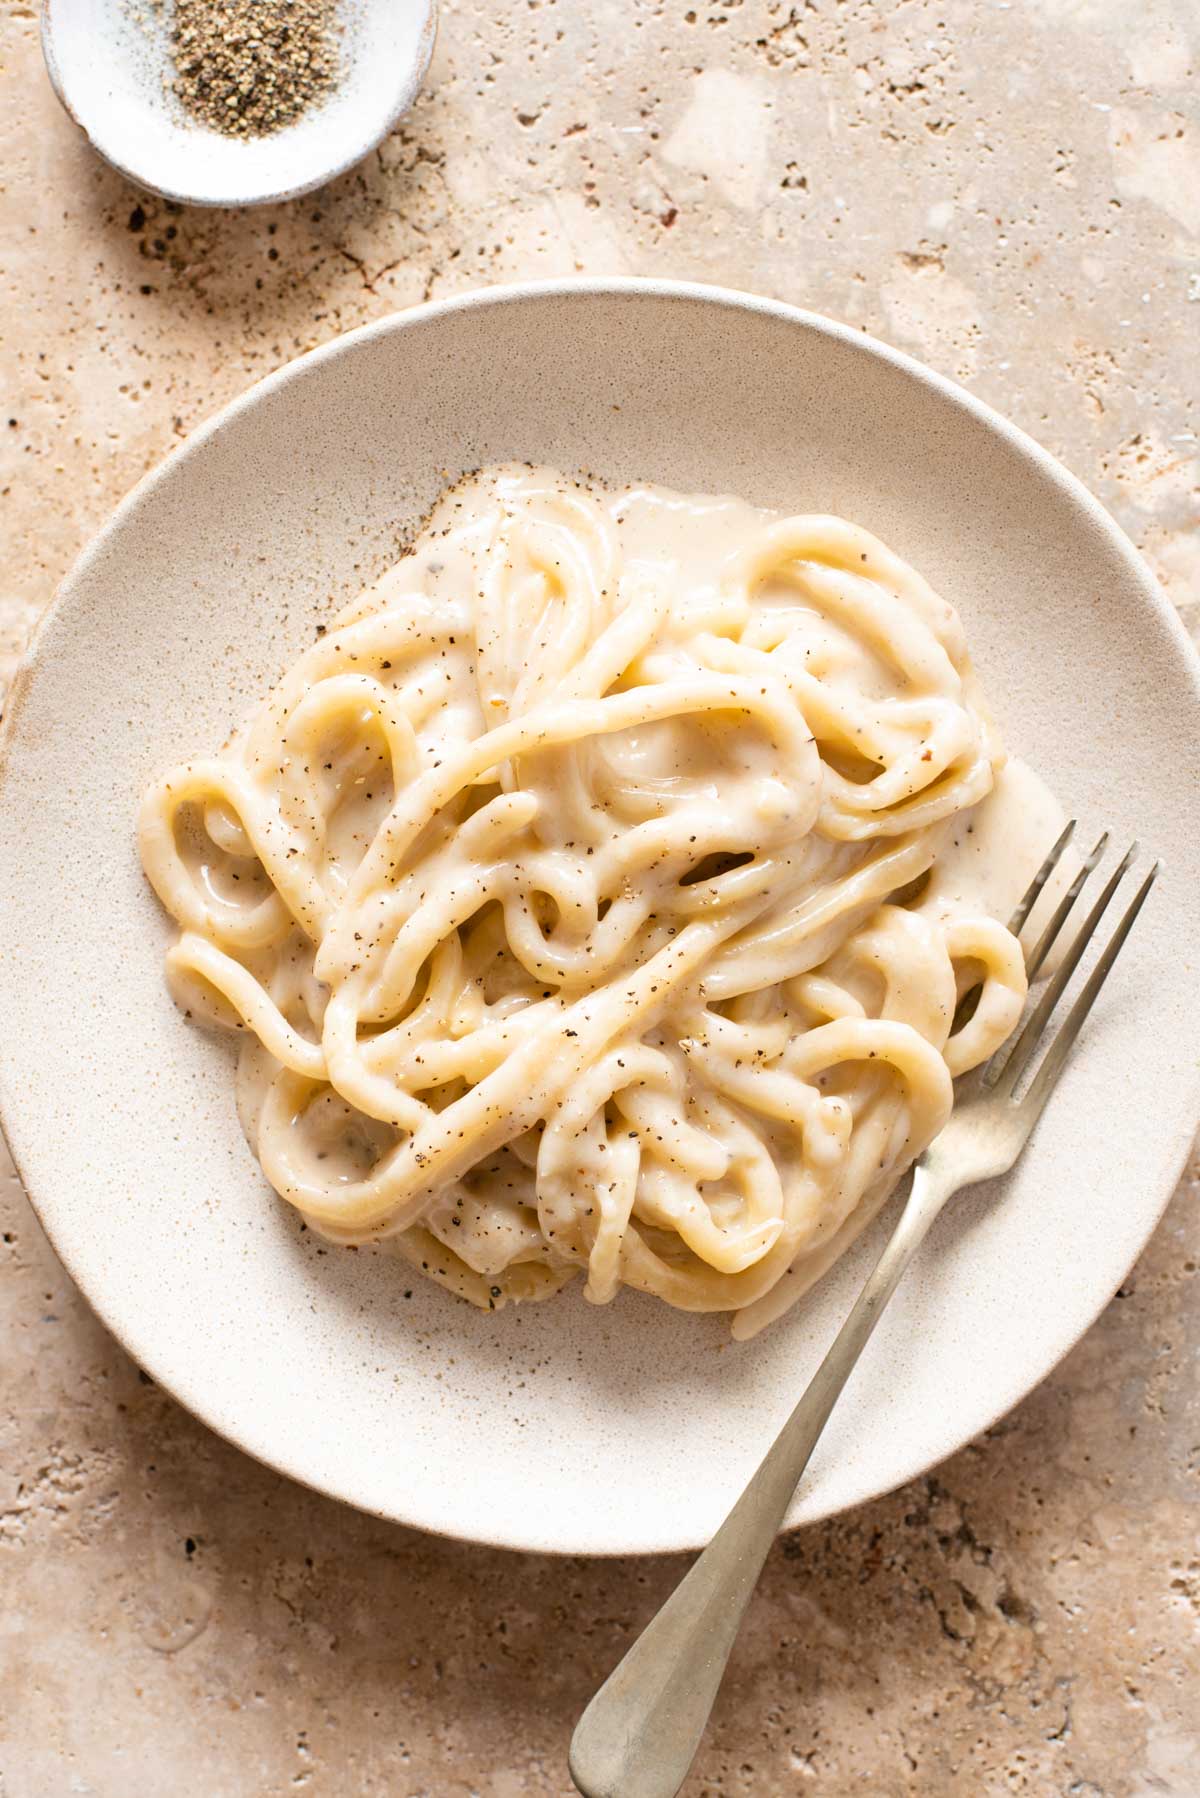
(514, 294)
(414, 76)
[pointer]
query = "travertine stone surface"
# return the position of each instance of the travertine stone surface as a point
(1013, 192)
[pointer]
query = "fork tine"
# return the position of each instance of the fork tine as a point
(1034, 890)
(1046, 941)
(1044, 1080)
(966, 1006)
(1014, 1063)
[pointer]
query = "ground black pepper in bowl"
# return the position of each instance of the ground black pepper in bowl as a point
(249, 67)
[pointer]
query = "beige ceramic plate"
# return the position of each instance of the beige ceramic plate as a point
(561, 1426)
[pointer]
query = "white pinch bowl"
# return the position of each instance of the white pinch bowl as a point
(561, 1426)
(109, 63)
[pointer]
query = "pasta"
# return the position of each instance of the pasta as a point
(595, 896)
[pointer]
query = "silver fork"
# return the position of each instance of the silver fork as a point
(638, 1736)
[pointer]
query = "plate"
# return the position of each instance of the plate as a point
(562, 1426)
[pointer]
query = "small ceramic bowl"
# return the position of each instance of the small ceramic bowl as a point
(109, 63)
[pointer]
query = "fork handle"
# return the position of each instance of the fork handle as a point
(638, 1736)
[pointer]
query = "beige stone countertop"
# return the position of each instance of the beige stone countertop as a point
(1011, 190)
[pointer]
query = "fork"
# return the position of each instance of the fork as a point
(639, 1734)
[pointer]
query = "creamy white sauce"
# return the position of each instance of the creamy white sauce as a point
(992, 852)
(597, 893)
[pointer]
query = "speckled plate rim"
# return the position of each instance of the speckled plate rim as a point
(190, 1393)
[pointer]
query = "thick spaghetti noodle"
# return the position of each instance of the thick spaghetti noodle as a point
(573, 894)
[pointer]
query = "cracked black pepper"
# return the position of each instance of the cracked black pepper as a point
(250, 67)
